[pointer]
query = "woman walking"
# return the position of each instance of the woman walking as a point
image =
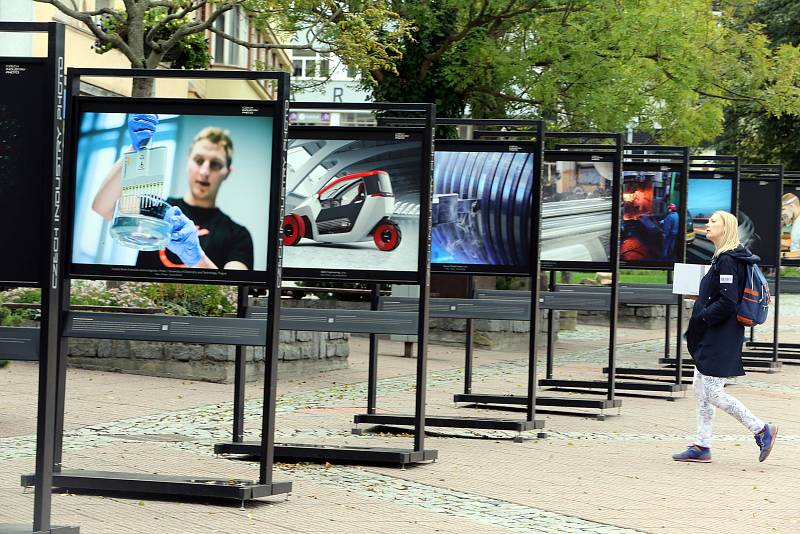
(714, 339)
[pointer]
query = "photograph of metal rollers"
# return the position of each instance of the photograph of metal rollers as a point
(129, 326)
(761, 188)
(371, 322)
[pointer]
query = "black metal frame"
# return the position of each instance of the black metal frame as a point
(59, 306)
(369, 455)
(530, 422)
(715, 168)
(614, 151)
(653, 156)
(788, 353)
(756, 358)
(50, 277)
(658, 158)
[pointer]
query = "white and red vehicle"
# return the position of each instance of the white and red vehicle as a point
(347, 209)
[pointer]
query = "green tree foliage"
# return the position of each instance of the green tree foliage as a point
(592, 64)
(152, 33)
(751, 132)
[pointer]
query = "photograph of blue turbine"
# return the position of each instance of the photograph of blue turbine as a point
(481, 210)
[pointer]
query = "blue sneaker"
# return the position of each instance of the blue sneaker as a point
(766, 439)
(694, 453)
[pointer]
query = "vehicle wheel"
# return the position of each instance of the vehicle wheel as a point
(293, 229)
(387, 236)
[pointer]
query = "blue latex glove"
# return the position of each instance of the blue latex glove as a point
(141, 128)
(183, 241)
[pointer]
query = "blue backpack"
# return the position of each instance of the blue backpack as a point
(754, 306)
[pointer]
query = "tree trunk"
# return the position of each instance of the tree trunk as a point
(143, 87)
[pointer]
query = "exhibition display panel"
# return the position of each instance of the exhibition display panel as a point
(127, 201)
(31, 192)
(713, 185)
(582, 212)
(653, 198)
(358, 207)
(354, 199)
(482, 206)
(761, 221)
(488, 190)
(147, 201)
(790, 220)
(654, 183)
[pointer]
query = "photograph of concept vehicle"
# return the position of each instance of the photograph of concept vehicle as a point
(347, 209)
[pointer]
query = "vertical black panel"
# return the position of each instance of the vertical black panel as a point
(24, 167)
(758, 217)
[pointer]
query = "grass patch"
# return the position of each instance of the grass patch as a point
(631, 276)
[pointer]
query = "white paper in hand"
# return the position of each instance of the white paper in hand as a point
(686, 278)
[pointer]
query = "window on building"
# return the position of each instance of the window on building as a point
(219, 42)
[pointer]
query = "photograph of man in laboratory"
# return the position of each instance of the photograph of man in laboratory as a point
(172, 191)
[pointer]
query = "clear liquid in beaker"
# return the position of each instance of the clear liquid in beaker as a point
(139, 223)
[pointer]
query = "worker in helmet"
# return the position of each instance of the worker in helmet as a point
(669, 229)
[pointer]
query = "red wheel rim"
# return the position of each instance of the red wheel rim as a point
(386, 237)
(293, 229)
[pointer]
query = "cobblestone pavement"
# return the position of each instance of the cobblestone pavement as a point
(589, 476)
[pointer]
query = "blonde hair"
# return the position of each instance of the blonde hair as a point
(218, 136)
(730, 233)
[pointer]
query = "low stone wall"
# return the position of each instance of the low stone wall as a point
(299, 353)
(644, 316)
(497, 335)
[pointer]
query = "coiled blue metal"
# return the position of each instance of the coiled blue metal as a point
(494, 208)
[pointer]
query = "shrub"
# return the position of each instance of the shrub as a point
(175, 299)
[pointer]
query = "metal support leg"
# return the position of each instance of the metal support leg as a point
(468, 344)
(240, 373)
(372, 379)
(550, 329)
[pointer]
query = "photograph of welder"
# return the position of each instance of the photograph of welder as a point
(650, 217)
(26, 171)
(790, 221)
(576, 211)
(164, 192)
(352, 206)
(758, 224)
(704, 197)
(481, 210)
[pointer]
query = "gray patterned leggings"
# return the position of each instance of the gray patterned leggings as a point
(710, 393)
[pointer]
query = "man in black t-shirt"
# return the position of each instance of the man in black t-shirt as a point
(202, 236)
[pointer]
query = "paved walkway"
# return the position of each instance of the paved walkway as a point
(588, 476)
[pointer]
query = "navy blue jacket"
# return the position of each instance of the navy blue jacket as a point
(715, 337)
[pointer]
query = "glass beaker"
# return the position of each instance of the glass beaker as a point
(139, 222)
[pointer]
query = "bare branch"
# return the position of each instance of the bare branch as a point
(181, 13)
